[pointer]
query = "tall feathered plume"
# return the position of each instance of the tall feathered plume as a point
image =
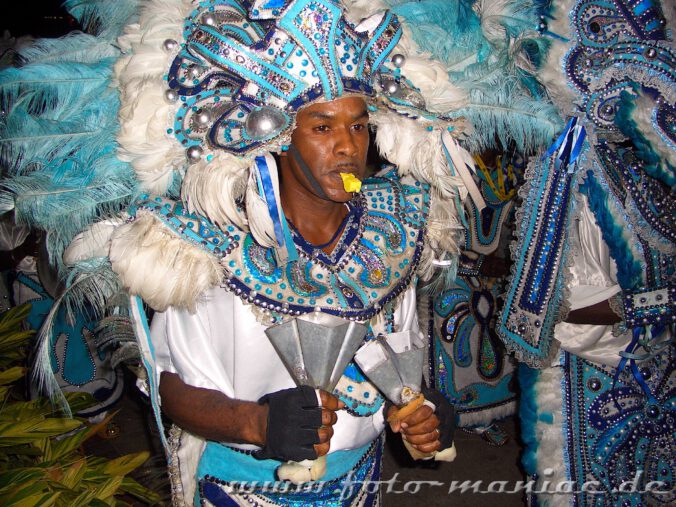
(58, 153)
(490, 49)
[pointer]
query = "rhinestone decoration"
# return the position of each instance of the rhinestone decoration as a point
(245, 70)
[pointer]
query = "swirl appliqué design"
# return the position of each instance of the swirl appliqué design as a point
(630, 429)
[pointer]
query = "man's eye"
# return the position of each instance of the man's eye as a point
(321, 128)
(359, 127)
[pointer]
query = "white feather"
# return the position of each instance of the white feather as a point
(260, 223)
(490, 13)
(144, 112)
(550, 460)
(154, 263)
(552, 74)
(92, 242)
(643, 117)
(211, 188)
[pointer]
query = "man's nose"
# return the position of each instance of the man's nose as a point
(346, 144)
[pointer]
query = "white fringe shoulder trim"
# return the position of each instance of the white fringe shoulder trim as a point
(549, 455)
(154, 263)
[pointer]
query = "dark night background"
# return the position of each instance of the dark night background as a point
(39, 18)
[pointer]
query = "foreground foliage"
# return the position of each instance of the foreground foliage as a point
(41, 458)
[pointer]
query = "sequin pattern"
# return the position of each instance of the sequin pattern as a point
(619, 43)
(617, 431)
(366, 271)
(239, 58)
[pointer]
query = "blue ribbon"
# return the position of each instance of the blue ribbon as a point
(555, 36)
(629, 356)
(568, 145)
(559, 141)
(269, 195)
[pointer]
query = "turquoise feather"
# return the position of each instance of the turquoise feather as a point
(73, 47)
(657, 168)
(58, 147)
(507, 106)
(43, 89)
(90, 285)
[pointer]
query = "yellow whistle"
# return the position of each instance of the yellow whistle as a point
(350, 182)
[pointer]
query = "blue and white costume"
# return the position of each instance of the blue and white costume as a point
(597, 224)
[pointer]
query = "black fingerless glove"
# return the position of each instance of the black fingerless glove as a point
(294, 418)
(446, 415)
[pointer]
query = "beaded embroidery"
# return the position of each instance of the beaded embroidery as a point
(616, 430)
(532, 301)
(242, 61)
(374, 262)
(617, 44)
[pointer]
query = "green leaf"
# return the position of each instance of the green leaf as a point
(13, 340)
(27, 450)
(10, 479)
(102, 503)
(125, 464)
(79, 400)
(36, 500)
(25, 432)
(61, 448)
(11, 375)
(132, 487)
(73, 475)
(84, 498)
(12, 318)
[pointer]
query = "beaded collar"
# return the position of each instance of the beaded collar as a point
(374, 261)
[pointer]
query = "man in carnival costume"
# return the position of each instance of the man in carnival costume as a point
(594, 264)
(181, 204)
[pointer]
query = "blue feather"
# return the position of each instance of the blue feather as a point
(58, 144)
(73, 47)
(502, 113)
(528, 415)
(631, 272)
(506, 104)
(55, 90)
(89, 287)
(654, 166)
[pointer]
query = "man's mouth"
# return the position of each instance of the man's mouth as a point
(350, 183)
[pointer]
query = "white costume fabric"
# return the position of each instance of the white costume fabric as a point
(222, 347)
(592, 278)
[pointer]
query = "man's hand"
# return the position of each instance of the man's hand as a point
(420, 429)
(431, 427)
(297, 427)
(330, 404)
(214, 416)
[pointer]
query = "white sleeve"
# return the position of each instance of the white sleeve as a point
(592, 280)
(593, 274)
(199, 346)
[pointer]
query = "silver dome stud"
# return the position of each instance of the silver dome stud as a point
(194, 154)
(170, 45)
(170, 95)
(264, 122)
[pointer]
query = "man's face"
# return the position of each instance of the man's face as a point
(331, 138)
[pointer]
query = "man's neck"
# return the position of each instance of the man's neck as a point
(314, 218)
